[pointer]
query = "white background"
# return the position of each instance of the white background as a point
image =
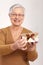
(33, 20)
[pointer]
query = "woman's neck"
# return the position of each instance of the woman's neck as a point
(15, 27)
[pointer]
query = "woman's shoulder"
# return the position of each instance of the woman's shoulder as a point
(4, 30)
(26, 30)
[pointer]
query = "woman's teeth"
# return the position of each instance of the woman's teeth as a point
(16, 21)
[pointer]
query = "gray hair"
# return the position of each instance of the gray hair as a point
(15, 6)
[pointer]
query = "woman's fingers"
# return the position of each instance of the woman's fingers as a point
(25, 48)
(23, 45)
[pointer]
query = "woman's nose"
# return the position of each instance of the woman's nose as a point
(17, 16)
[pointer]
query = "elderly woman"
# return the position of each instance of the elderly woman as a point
(13, 49)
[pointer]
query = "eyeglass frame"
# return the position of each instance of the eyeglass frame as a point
(20, 15)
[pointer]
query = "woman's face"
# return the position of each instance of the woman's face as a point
(17, 16)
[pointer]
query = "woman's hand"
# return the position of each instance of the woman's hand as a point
(31, 46)
(19, 44)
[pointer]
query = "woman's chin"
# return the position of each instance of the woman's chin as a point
(17, 24)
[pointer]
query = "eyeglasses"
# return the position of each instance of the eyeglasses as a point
(20, 15)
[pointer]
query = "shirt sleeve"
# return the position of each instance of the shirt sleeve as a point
(4, 48)
(32, 55)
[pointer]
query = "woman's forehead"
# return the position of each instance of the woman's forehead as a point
(18, 10)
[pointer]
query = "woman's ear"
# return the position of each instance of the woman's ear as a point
(9, 15)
